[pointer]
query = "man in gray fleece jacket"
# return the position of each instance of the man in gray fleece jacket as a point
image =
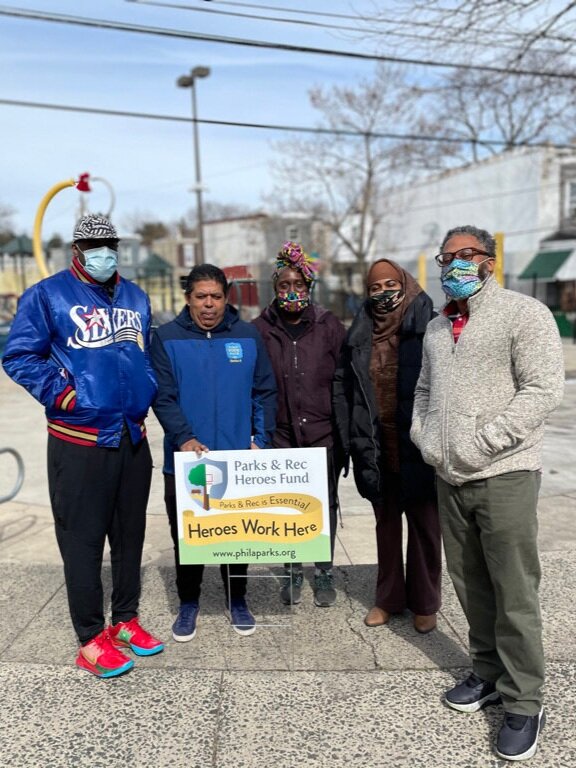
(492, 371)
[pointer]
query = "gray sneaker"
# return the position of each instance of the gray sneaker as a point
(324, 592)
(291, 592)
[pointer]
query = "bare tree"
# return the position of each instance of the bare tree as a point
(506, 30)
(527, 97)
(340, 179)
(213, 210)
(492, 113)
(152, 230)
(6, 230)
(56, 241)
(147, 226)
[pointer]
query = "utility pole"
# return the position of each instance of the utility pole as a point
(188, 81)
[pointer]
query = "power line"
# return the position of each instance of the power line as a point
(378, 19)
(286, 10)
(176, 118)
(277, 127)
(165, 32)
(323, 25)
(235, 14)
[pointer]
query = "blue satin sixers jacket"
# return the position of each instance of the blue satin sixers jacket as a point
(216, 386)
(84, 356)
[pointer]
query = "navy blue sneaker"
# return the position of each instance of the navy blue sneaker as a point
(472, 694)
(240, 617)
(518, 737)
(184, 628)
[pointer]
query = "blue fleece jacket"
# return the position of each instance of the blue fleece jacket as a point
(216, 386)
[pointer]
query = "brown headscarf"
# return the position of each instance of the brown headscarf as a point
(384, 358)
(386, 324)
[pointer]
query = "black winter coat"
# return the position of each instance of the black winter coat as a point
(356, 410)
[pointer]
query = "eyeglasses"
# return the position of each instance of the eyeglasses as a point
(466, 254)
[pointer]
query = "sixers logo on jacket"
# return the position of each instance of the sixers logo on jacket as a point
(96, 382)
(96, 328)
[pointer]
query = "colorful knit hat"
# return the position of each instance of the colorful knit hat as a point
(293, 256)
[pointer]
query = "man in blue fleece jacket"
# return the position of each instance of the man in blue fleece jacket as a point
(216, 391)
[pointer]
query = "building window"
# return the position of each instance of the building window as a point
(125, 255)
(188, 255)
(570, 200)
(293, 233)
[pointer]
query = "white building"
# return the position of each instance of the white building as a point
(254, 240)
(245, 247)
(528, 194)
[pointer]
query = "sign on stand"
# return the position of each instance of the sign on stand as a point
(268, 506)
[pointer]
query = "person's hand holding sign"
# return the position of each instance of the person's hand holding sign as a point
(194, 445)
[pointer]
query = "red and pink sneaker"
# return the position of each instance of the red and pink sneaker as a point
(101, 658)
(129, 634)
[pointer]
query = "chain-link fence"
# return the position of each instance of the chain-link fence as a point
(250, 296)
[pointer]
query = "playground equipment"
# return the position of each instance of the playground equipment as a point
(20, 477)
(82, 184)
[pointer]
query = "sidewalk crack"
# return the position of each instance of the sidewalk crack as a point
(219, 721)
(351, 622)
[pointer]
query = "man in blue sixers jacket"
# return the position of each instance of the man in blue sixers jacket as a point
(216, 390)
(79, 344)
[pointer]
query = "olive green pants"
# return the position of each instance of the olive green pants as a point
(490, 531)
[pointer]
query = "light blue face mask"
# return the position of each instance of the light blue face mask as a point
(101, 263)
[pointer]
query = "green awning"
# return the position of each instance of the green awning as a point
(155, 266)
(544, 265)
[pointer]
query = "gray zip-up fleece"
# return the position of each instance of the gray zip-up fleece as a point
(480, 404)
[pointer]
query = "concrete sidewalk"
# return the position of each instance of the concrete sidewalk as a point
(313, 687)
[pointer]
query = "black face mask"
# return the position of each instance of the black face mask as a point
(387, 301)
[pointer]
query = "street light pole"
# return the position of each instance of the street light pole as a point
(188, 81)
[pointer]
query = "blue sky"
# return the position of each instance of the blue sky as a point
(150, 163)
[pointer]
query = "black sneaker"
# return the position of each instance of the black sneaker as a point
(324, 592)
(291, 592)
(518, 737)
(472, 694)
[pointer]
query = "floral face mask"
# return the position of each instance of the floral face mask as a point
(292, 301)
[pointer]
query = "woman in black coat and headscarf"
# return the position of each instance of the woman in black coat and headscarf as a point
(373, 400)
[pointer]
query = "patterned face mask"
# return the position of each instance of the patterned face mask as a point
(460, 279)
(293, 301)
(387, 301)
